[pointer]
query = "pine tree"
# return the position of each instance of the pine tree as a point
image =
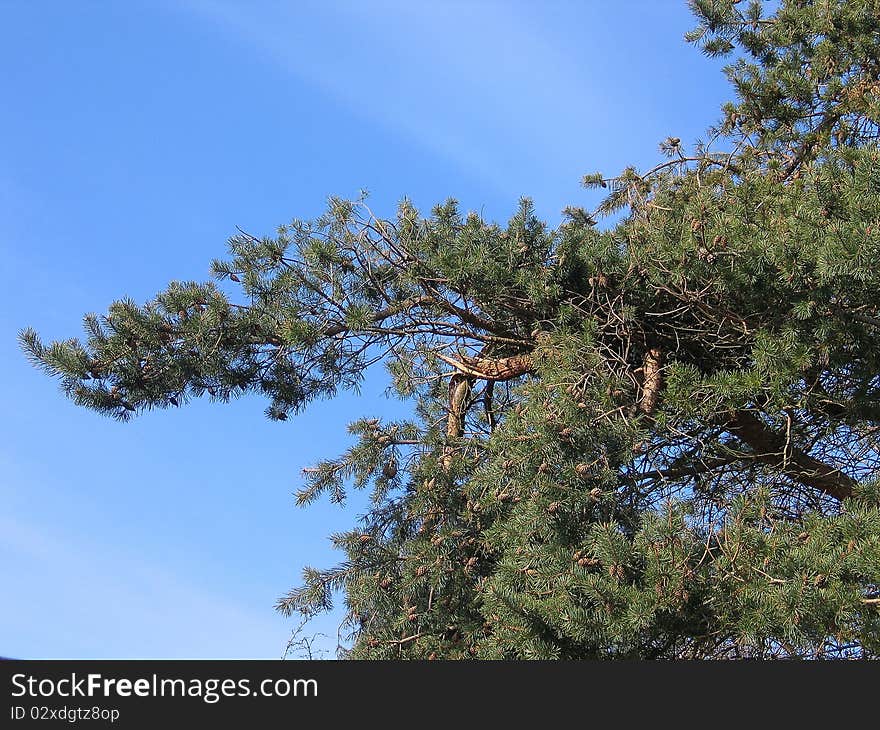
(652, 439)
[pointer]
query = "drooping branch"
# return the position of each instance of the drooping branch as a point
(775, 449)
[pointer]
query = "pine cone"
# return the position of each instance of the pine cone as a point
(390, 469)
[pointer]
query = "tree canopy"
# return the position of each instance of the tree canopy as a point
(651, 438)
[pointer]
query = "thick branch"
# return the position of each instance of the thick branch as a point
(459, 392)
(505, 368)
(652, 380)
(774, 449)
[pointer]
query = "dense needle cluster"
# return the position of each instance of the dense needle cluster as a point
(653, 439)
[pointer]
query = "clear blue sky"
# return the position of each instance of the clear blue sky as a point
(136, 136)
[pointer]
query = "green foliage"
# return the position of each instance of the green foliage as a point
(656, 439)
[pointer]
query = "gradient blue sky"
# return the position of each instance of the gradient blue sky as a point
(136, 136)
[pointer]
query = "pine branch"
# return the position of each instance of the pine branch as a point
(652, 380)
(380, 316)
(500, 369)
(774, 449)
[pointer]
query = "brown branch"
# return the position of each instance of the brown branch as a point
(701, 467)
(467, 316)
(380, 316)
(774, 449)
(459, 393)
(488, 405)
(652, 381)
(505, 368)
(810, 142)
(864, 318)
(467, 370)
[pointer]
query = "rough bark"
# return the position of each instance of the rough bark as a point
(652, 380)
(459, 395)
(483, 368)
